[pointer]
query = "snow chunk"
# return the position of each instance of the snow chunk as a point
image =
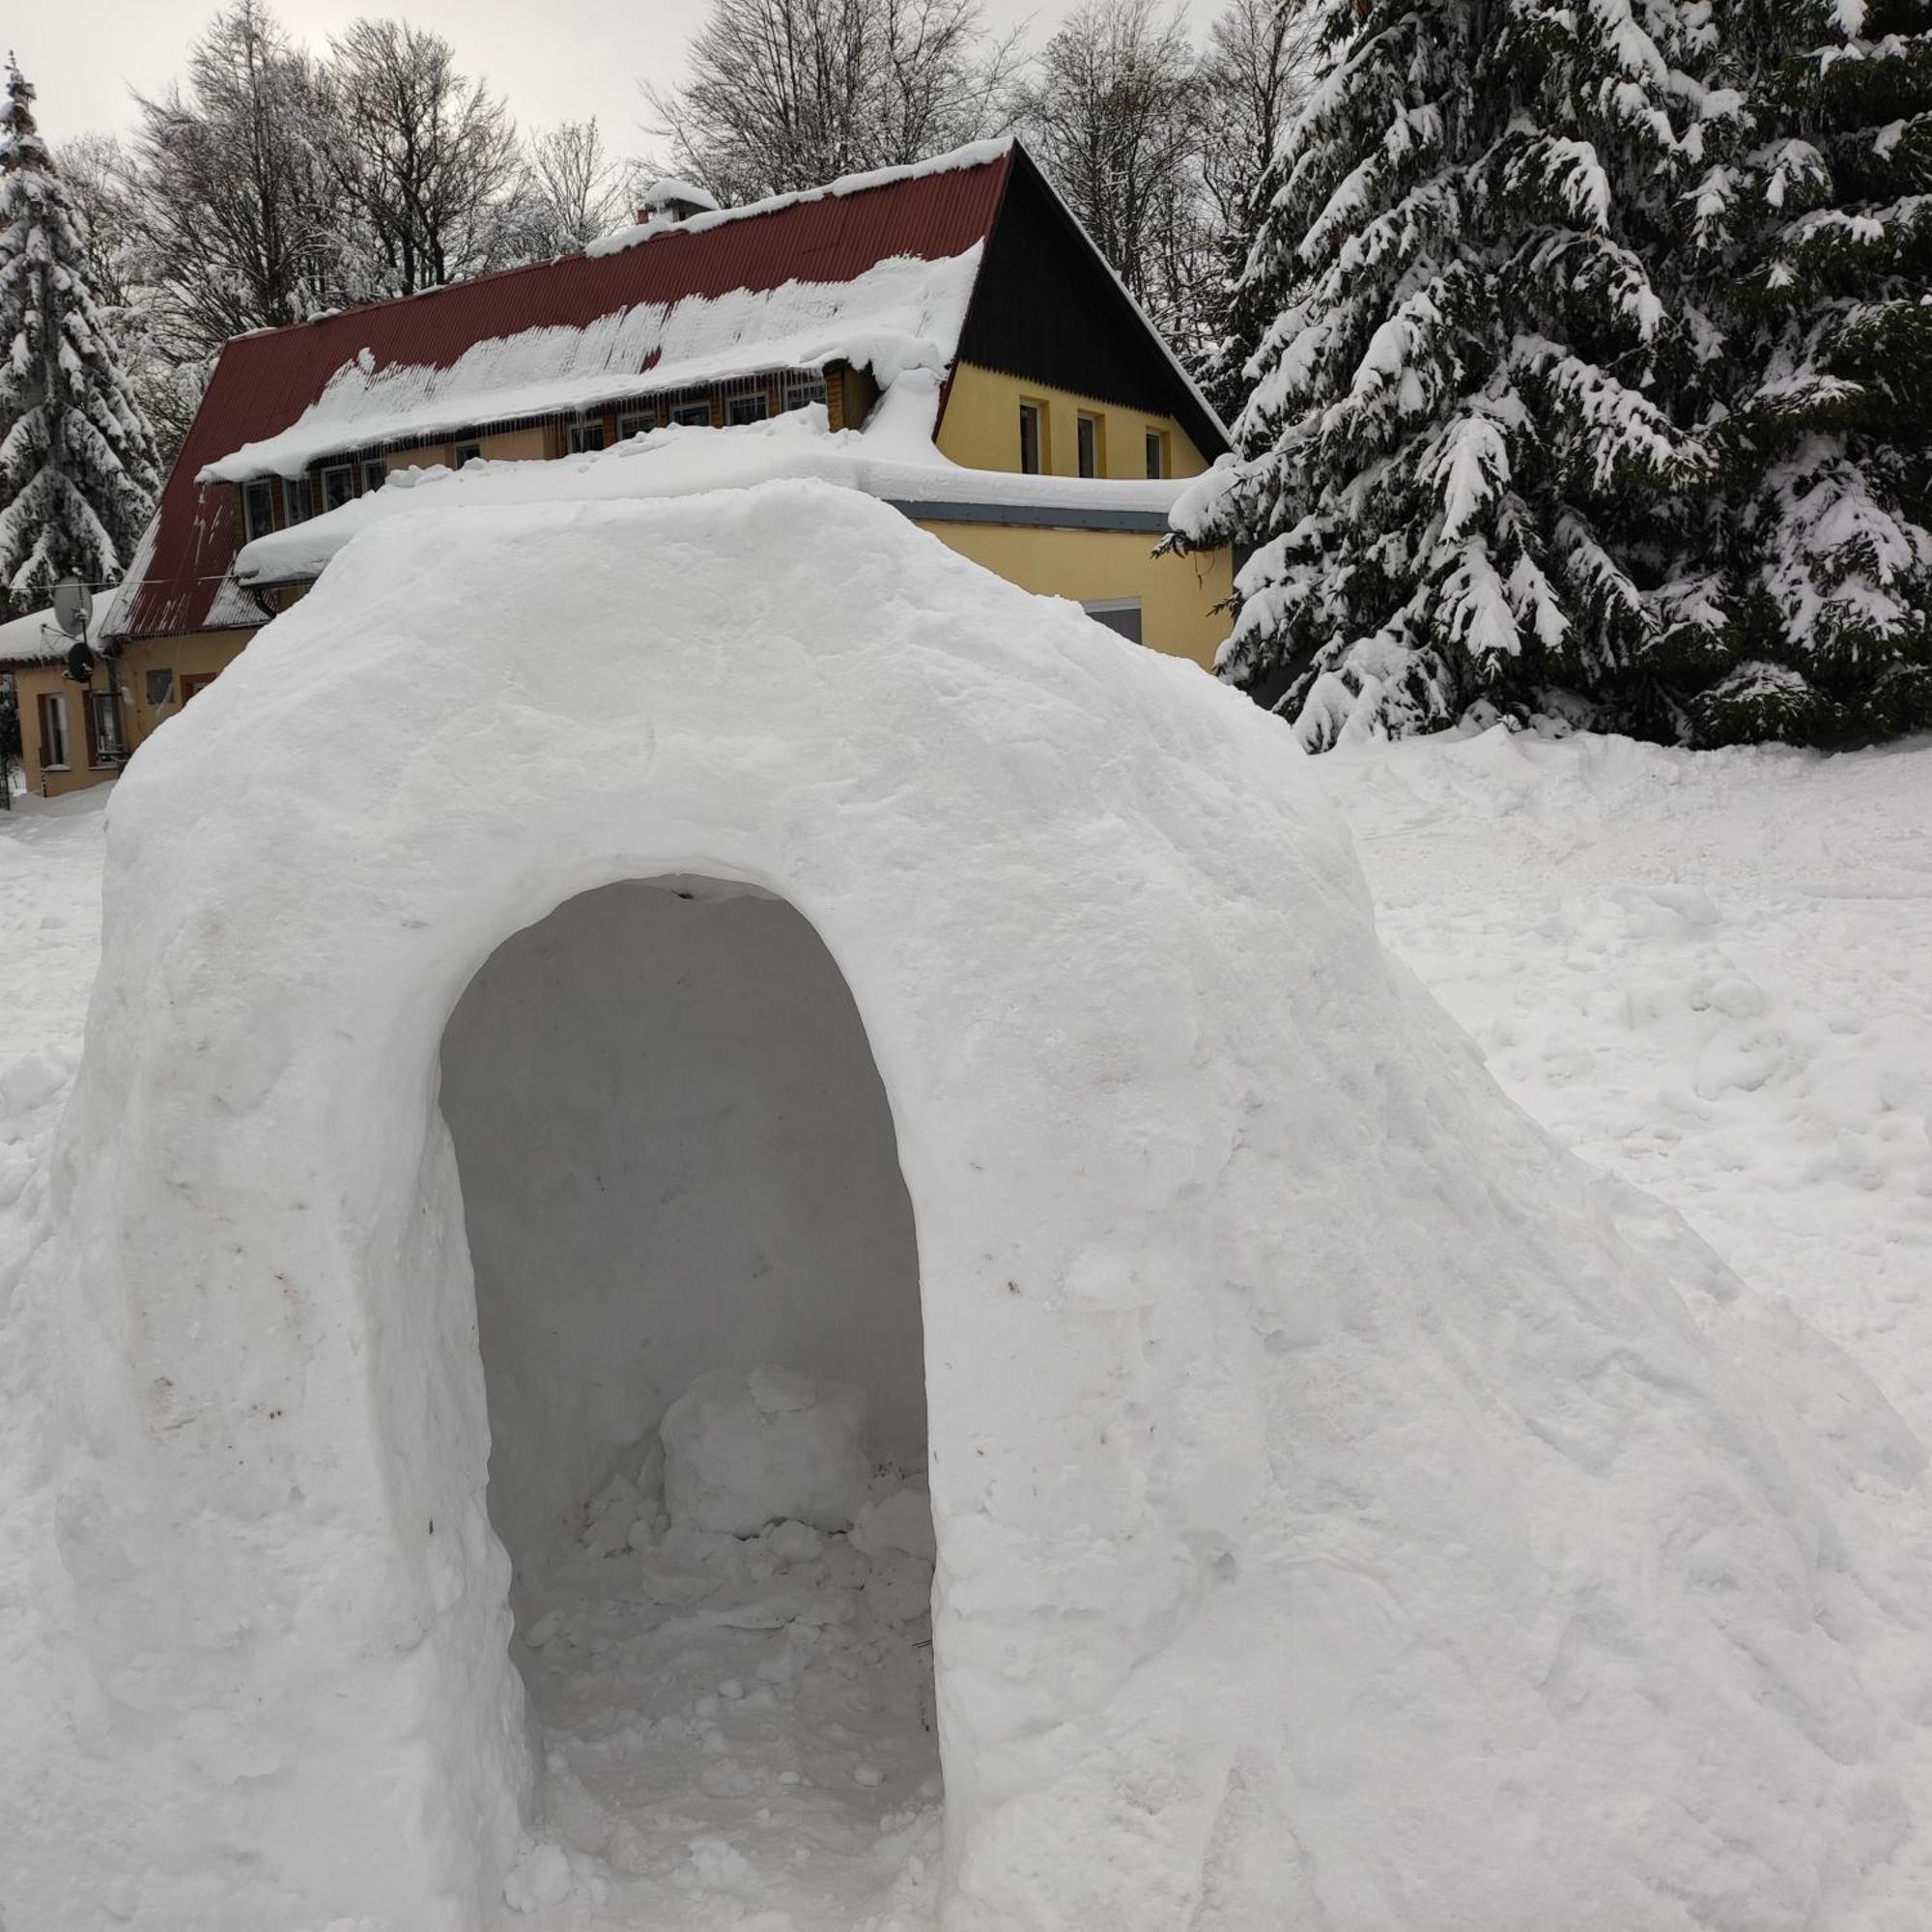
(744, 1451)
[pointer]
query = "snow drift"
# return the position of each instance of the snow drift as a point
(1351, 1510)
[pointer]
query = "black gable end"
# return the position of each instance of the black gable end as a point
(1045, 309)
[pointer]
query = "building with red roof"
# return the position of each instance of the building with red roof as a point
(946, 332)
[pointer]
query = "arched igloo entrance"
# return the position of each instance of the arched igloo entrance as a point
(681, 1179)
(1350, 1509)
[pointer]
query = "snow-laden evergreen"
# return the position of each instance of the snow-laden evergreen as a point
(1826, 220)
(1575, 388)
(77, 467)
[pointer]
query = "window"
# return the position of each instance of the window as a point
(53, 732)
(639, 424)
(295, 494)
(755, 408)
(257, 509)
(1156, 453)
(802, 392)
(1118, 614)
(103, 736)
(1030, 438)
(466, 452)
(375, 474)
(585, 437)
(195, 682)
(1089, 445)
(338, 486)
(696, 415)
(160, 688)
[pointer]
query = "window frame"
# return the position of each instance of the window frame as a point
(1090, 445)
(801, 392)
(1100, 608)
(258, 492)
(750, 398)
(345, 476)
(1032, 415)
(685, 414)
(53, 725)
(577, 437)
(296, 503)
(193, 681)
(375, 474)
(469, 450)
(104, 750)
(1158, 462)
(636, 424)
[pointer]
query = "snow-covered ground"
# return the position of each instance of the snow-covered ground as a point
(1711, 974)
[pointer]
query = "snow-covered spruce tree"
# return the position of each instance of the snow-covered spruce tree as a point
(1471, 460)
(1825, 224)
(77, 471)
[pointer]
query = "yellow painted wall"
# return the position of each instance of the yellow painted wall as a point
(1178, 594)
(191, 655)
(531, 444)
(981, 429)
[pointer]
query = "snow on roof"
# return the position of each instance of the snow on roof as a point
(263, 383)
(892, 459)
(900, 314)
(975, 154)
(36, 638)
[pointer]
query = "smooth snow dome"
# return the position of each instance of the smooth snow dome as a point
(1350, 1509)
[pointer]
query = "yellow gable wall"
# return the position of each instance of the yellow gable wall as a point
(981, 429)
(1178, 594)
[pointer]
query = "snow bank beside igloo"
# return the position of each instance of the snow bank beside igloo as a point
(1351, 1510)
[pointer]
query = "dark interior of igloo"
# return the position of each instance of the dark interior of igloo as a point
(679, 1174)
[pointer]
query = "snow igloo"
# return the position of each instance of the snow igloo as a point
(588, 953)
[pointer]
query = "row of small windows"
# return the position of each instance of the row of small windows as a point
(748, 403)
(1089, 445)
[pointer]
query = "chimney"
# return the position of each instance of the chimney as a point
(673, 200)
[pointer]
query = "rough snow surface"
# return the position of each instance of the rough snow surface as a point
(733, 1723)
(1710, 973)
(1350, 1509)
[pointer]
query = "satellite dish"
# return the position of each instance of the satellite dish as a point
(73, 607)
(80, 665)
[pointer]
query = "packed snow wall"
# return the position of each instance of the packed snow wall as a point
(676, 1158)
(1350, 1511)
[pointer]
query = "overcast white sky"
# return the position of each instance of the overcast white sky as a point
(555, 60)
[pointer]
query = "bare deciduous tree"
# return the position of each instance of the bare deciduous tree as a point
(427, 155)
(573, 189)
(1112, 113)
(239, 222)
(785, 94)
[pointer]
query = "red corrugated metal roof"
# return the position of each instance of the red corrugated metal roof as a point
(262, 383)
